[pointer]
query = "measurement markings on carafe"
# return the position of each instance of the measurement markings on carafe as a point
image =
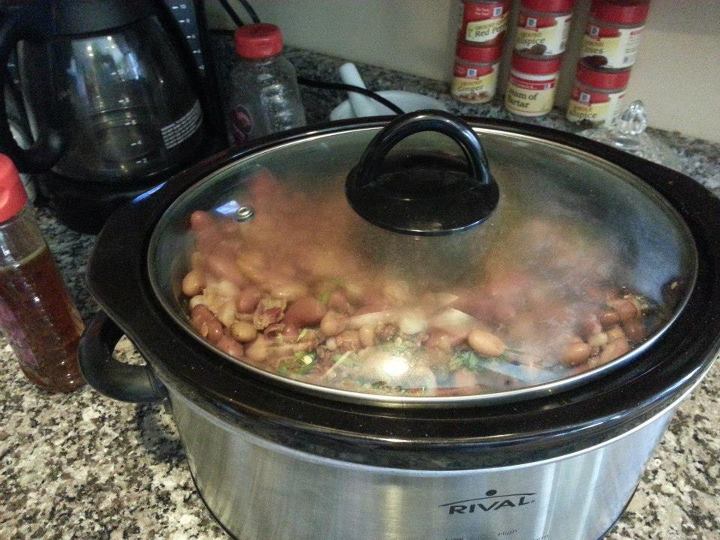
(184, 13)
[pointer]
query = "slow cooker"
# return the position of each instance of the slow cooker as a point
(421, 327)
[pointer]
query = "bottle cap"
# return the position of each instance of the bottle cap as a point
(536, 65)
(255, 41)
(549, 6)
(12, 193)
(607, 79)
(627, 12)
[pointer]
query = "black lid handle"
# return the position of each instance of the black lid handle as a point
(423, 193)
(21, 23)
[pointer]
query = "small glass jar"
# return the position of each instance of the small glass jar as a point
(543, 26)
(612, 34)
(532, 85)
(597, 95)
(475, 74)
(484, 22)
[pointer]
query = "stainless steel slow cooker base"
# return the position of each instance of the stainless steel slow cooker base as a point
(261, 490)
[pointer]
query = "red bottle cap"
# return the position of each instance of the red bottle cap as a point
(12, 193)
(255, 41)
(605, 79)
(620, 12)
(536, 66)
(550, 6)
(474, 53)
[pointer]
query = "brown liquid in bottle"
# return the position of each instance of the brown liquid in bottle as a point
(41, 322)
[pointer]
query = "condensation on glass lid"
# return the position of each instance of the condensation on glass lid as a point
(308, 291)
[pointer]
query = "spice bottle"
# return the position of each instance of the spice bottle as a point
(597, 95)
(484, 22)
(475, 74)
(264, 94)
(532, 84)
(612, 34)
(37, 315)
(543, 26)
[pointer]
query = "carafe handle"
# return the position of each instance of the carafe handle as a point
(19, 24)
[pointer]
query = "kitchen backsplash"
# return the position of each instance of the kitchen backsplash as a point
(676, 73)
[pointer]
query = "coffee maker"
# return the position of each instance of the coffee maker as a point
(119, 96)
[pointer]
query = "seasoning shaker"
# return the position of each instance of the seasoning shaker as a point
(264, 93)
(37, 315)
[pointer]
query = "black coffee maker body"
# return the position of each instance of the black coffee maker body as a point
(113, 97)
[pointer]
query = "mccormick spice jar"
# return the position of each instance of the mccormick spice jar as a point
(531, 88)
(475, 74)
(543, 26)
(613, 33)
(485, 21)
(597, 95)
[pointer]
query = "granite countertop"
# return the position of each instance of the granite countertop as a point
(84, 466)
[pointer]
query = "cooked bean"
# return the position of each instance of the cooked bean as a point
(615, 333)
(348, 340)
(288, 290)
(242, 331)
(626, 309)
(598, 340)
(211, 330)
(367, 336)
(333, 323)
(306, 311)
(258, 350)
(484, 343)
(613, 350)
(591, 326)
(609, 318)
(226, 313)
(247, 299)
(576, 353)
(339, 302)
(200, 314)
(230, 346)
(412, 322)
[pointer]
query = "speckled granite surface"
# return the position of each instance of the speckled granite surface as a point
(84, 466)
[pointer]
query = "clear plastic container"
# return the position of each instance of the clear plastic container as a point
(264, 94)
(37, 315)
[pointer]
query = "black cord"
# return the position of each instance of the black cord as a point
(250, 11)
(231, 13)
(350, 88)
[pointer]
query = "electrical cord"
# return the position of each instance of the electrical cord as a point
(304, 80)
(232, 13)
(350, 88)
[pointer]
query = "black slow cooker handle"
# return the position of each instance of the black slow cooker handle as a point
(117, 380)
(423, 192)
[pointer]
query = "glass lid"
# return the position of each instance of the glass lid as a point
(446, 281)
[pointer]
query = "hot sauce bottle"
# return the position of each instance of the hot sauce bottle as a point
(37, 315)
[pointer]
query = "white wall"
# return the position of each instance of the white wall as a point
(677, 73)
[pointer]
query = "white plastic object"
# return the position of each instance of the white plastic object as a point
(361, 105)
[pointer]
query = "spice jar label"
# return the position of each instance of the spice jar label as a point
(529, 98)
(546, 36)
(474, 85)
(486, 30)
(610, 48)
(594, 108)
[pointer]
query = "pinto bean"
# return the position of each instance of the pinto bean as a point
(226, 313)
(193, 283)
(247, 299)
(228, 345)
(200, 313)
(591, 326)
(576, 353)
(484, 343)
(289, 290)
(609, 317)
(613, 350)
(333, 323)
(305, 311)
(367, 336)
(242, 331)
(626, 309)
